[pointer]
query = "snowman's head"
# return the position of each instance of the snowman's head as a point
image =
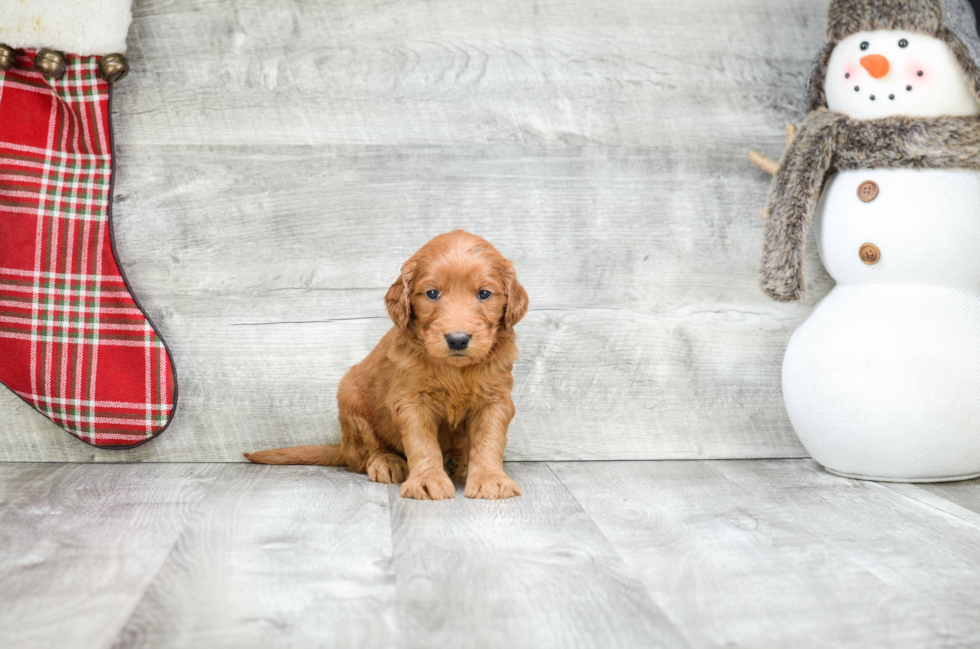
(917, 58)
(895, 72)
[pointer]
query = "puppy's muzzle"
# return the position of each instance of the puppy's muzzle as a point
(458, 341)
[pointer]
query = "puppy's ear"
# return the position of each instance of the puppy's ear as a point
(516, 298)
(398, 301)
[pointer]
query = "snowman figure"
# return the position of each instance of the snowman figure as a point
(883, 380)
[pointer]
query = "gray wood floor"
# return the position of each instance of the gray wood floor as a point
(768, 553)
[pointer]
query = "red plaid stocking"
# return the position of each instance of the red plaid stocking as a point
(74, 343)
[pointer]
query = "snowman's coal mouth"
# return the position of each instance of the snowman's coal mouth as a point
(891, 95)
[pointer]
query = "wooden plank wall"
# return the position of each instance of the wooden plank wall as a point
(279, 160)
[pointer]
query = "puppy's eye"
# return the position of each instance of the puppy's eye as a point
(865, 45)
(484, 294)
(432, 294)
(903, 43)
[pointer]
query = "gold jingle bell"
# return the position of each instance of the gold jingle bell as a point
(50, 63)
(6, 57)
(113, 67)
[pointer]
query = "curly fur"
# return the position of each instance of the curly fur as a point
(830, 141)
(416, 407)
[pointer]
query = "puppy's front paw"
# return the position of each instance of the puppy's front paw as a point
(387, 468)
(491, 486)
(432, 485)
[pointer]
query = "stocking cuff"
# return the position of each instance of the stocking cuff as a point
(84, 27)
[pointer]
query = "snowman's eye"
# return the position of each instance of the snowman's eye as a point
(865, 45)
(903, 43)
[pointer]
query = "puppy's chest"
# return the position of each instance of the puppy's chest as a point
(454, 403)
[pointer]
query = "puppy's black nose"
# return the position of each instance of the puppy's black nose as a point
(458, 342)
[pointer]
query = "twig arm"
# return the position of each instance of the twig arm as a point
(763, 162)
(769, 165)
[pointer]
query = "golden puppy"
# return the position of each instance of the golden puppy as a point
(436, 389)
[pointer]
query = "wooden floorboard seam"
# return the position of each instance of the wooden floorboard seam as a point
(585, 511)
(677, 624)
(538, 562)
(934, 502)
(192, 515)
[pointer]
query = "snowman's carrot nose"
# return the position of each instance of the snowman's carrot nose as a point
(876, 65)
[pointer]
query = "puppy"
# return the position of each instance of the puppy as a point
(436, 389)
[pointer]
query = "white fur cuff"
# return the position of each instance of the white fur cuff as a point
(86, 27)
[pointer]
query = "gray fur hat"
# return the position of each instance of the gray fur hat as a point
(951, 21)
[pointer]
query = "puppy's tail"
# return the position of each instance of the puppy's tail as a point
(320, 455)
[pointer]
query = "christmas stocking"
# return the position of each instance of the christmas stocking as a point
(74, 342)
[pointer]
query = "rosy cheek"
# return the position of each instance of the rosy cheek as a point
(851, 70)
(915, 72)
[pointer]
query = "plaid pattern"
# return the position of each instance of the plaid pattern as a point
(73, 342)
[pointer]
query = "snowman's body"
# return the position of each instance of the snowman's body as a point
(883, 380)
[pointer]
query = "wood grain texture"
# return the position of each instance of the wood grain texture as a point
(783, 554)
(529, 572)
(276, 557)
(81, 543)
(614, 554)
(278, 161)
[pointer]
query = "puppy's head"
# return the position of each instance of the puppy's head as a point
(455, 295)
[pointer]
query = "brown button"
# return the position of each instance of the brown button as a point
(868, 191)
(869, 254)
